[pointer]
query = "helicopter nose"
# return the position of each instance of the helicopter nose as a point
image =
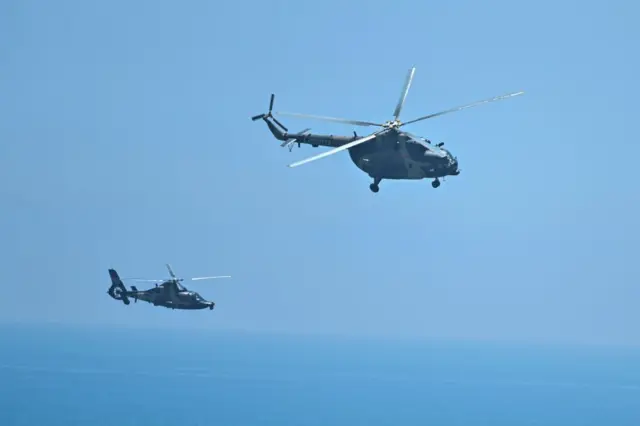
(454, 166)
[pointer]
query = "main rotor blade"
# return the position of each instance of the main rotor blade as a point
(210, 278)
(497, 98)
(338, 149)
(171, 271)
(405, 91)
(175, 279)
(339, 120)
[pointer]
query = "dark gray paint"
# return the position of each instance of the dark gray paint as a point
(389, 153)
(169, 294)
(393, 154)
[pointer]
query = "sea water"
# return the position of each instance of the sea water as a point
(66, 376)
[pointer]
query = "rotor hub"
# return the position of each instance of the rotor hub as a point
(392, 124)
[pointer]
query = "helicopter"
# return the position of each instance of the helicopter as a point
(170, 293)
(391, 153)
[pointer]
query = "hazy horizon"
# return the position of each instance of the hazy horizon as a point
(175, 330)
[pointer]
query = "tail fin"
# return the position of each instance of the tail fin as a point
(270, 120)
(117, 290)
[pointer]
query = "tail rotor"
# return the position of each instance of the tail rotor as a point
(270, 115)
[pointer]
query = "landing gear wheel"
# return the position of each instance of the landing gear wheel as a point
(374, 186)
(435, 183)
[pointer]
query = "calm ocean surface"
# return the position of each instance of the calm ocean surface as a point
(92, 377)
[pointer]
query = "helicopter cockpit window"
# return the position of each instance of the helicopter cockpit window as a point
(415, 150)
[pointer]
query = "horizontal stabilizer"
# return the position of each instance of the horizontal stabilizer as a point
(290, 141)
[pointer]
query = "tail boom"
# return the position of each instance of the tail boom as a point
(281, 133)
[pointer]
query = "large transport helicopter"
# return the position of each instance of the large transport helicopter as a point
(389, 153)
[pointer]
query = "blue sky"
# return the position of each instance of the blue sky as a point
(127, 143)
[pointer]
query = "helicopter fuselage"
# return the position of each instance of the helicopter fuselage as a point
(168, 296)
(393, 156)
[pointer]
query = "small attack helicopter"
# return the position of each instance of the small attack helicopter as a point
(170, 293)
(391, 153)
